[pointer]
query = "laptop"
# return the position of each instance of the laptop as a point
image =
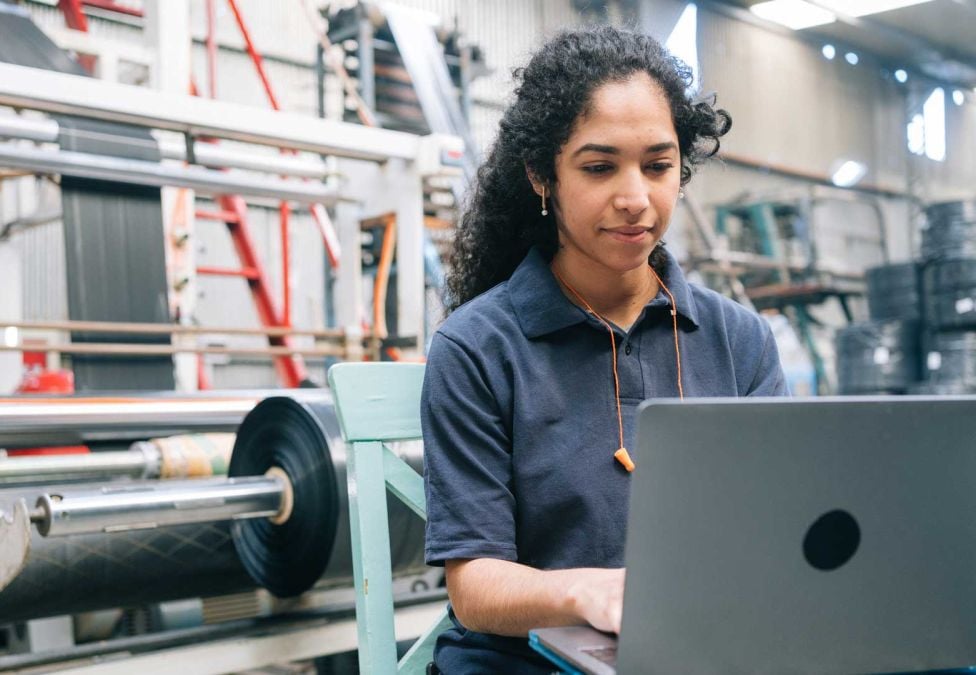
(833, 535)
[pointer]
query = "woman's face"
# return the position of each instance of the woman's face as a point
(617, 177)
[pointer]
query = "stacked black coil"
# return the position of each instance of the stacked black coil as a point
(950, 294)
(877, 357)
(949, 231)
(894, 292)
(928, 306)
(949, 361)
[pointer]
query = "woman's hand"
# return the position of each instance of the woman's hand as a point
(597, 597)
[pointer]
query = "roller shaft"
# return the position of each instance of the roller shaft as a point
(151, 505)
(134, 463)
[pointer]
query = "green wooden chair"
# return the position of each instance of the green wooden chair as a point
(377, 403)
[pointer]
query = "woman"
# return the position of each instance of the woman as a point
(566, 313)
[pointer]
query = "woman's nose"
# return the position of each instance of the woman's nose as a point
(632, 194)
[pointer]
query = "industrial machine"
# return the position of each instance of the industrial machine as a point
(278, 521)
(152, 545)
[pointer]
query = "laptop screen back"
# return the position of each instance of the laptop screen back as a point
(828, 535)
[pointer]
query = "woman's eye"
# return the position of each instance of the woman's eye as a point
(597, 168)
(659, 167)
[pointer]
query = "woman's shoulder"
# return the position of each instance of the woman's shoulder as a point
(487, 314)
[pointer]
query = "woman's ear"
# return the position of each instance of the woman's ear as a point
(537, 184)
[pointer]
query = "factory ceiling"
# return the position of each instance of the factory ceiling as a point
(935, 38)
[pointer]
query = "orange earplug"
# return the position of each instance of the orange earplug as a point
(623, 457)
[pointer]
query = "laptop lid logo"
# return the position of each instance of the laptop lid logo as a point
(832, 540)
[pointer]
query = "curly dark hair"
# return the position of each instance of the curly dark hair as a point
(501, 219)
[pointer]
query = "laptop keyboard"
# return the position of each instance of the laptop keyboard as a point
(607, 655)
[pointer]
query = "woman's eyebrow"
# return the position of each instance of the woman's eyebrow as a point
(611, 150)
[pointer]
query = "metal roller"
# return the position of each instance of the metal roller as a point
(183, 456)
(146, 506)
(28, 422)
(136, 463)
(79, 573)
(877, 357)
(130, 546)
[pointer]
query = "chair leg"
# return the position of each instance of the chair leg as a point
(370, 537)
(417, 661)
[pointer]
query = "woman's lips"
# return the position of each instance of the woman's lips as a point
(630, 235)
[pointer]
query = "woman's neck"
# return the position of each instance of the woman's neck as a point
(617, 297)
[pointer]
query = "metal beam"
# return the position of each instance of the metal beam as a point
(140, 172)
(204, 154)
(51, 92)
(286, 643)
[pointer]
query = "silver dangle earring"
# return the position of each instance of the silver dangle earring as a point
(545, 211)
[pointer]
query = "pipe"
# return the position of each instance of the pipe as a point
(31, 129)
(128, 349)
(205, 154)
(336, 334)
(140, 172)
(146, 506)
(214, 156)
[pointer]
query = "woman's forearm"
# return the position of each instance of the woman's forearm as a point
(507, 598)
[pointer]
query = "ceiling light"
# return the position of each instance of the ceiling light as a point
(958, 97)
(829, 52)
(10, 336)
(901, 76)
(848, 173)
(795, 14)
(865, 7)
(851, 58)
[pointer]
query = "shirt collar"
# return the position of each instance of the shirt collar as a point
(541, 306)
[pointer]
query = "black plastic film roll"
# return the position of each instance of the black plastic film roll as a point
(288, 559)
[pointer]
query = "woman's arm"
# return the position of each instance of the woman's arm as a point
(507, 598)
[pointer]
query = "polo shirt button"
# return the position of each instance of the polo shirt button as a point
(627, 349)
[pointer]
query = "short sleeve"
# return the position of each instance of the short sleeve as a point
(467, 460)
(769, 379)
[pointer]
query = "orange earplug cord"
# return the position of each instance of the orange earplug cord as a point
(621, 455)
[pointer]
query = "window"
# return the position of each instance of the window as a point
(926, 132)
(683, 41)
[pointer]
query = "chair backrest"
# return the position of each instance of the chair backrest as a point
(377, 403)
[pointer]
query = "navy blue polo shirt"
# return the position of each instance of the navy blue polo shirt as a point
(520, 425)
